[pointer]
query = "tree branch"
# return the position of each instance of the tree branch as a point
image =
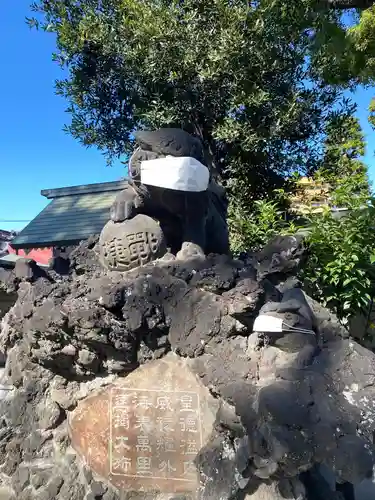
(350, 4)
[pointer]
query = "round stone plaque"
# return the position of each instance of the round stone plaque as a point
(130, 244)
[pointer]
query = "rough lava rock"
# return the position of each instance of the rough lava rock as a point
(289, 402)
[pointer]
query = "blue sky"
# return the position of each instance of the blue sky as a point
(35, 153)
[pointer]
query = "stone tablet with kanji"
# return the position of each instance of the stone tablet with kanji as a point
(144, 432)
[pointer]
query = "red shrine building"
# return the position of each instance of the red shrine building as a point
(72, 215)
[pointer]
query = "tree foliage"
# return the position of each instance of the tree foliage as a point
(252, 79)
(259, 82)
(340, 271)
(372, 112)
(342, 165)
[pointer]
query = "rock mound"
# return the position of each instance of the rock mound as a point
(286, 402)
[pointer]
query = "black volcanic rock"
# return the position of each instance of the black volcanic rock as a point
(300, 399)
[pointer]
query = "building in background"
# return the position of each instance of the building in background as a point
(8, 254)
(312, 196)
(5, 238)
(73, 214)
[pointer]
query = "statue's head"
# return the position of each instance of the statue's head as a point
(161, 143)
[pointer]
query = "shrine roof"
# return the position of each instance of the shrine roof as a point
(74, 214)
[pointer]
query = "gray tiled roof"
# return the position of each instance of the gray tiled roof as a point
(73, 215)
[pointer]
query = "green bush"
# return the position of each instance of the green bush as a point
(252, 231)
(340, 270)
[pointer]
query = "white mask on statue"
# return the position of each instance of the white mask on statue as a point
(178, 173)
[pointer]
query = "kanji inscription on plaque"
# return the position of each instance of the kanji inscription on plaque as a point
(154, 434)
(144, 432)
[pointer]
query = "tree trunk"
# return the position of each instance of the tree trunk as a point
(208, 152)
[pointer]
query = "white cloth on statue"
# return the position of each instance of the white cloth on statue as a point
(178, 173)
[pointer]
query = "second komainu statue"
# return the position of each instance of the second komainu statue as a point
(147, 220)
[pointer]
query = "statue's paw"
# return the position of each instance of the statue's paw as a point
(190, 251)
(122, 210)
(118, 210)
(116, 217)
(168, 257)
(126, 205)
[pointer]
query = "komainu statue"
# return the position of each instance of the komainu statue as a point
(197, 217)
